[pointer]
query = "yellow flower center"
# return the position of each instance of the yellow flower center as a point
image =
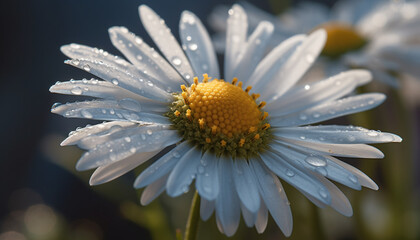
(224, 107)
(221, 116)
(341, 38)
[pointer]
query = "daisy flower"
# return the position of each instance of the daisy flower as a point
(381, 36)
(232, 140)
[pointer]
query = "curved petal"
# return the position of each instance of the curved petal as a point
(330, 110)
(236, 34)
(262, 218)
(206, 209)
(274, 197)
(166, 42)
(136, 82)
(147, 138)
(246, 185)
(153, 190)
(306, 96)
(335, 134)
(145, 58)
(207, 182)
(297, 65)
(183, 173)
(111, 171)
(253, 52)
(227, 203)
(198, 46)
(108, 110)
(162, 166)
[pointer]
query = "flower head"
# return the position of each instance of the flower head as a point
(377, 35)
(233, 137)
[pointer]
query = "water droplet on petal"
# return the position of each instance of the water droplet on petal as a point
(149, 132)
(86, 114)
(351, 138)
(127, 139)
(112, 156)
(133, 150)
(130, 104)
(185, 188)
(76, 91)
(114, 81)
(372, 133)
(176, 61)
(323, 193)
(86, 68)
(310, 58)
(321, 170)
(290, 173)
(315, 161)
(193, 46)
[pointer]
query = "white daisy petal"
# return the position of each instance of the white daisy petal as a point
(262, 218)
(108, 110)
(206, 209)
(265, 72)
(197, 44)
(135, 82)
(183, 173)
(144, 57)
(207, 182)
(342, 150)
(166, 42)
(330, 110)
(162, 166)
(324, 165)
(336, 134)
(253, 52)
(227, 203)
(78, 51)
(147, 138)
(339, 201)
(111, 171)
(294, 175)
(153, 190)
(98, 129)
(248, 216)
(245, 184)
(93, 88)
(362, 178)
(274, 197)
(297, 64)
(306, 96)
(237, 26)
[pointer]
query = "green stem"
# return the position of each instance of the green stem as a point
(193, 219)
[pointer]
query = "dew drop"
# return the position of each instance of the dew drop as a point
(193, 46)
(114, 81)
(307, 87)
(188, 38)
(290, 173)
(150, 84)
(133, 150)
(372, 133)
(176, 61)
(138, 40)
(75, 46)
(149, 132)
(76, 62)
(315, 161)
(86, 68)
(130, 104)
(302, 137)
(323, 193)
(127, 139)
(76, 91)
(86, 114)
(139, 57)
(351, 138)
(185, 188)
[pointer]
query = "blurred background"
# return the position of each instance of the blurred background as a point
(42, 197)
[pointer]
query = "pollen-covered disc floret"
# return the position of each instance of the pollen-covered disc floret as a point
(221, 116)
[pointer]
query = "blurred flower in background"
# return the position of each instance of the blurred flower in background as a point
(382, 36)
